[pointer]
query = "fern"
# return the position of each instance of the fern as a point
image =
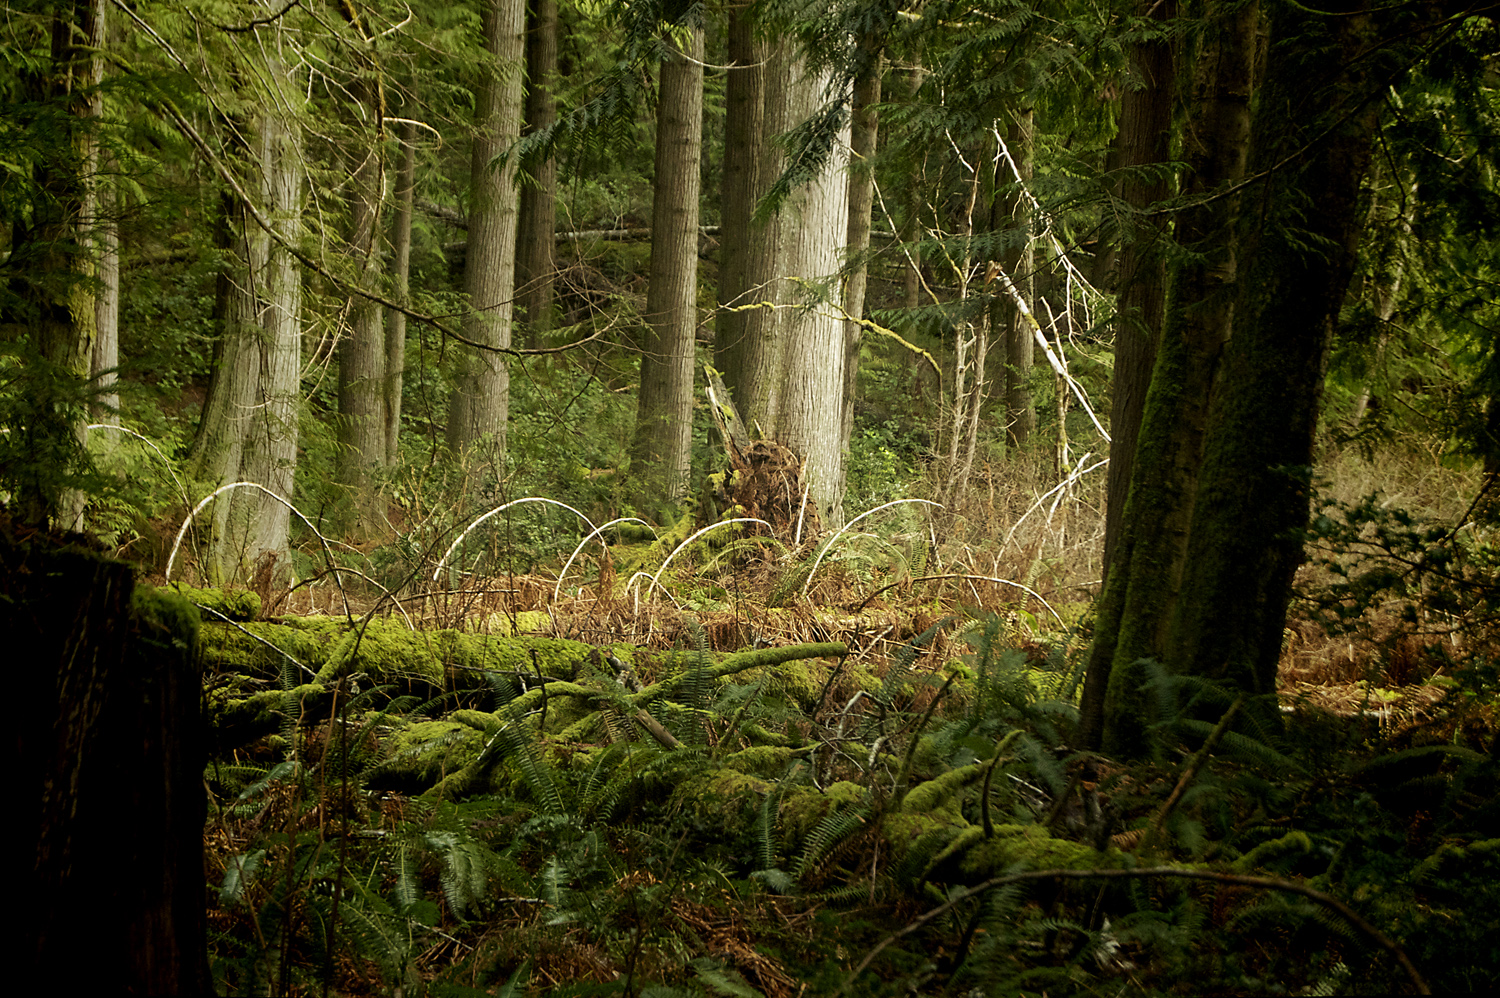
(829, 834)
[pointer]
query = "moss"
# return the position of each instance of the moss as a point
(1291, 846)
(1029, 846)
(803, 807)
(767, 761)
(425, 752)
(501, 625)
(167, 616)
(720, 796)
(236, 604)
(940, 793)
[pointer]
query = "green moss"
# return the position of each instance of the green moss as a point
(1293, 845)
(1032, 847)
(166, 617)
(236, 604)
(720, 796)
(767, 761)
(501, 625)
(940, 793)
(803, 807)
(425, 752)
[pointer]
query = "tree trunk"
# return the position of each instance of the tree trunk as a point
(248, 430)
(480, 402)
(1144, 139)
(56, 243)
(744, 113)
(105, 406)
(109, 756)
(1300, 244)
(1013, 210)
(362, 373)
(538, 221)
(662, 450)
(1140, 594)
(395, 330)
(863, 134)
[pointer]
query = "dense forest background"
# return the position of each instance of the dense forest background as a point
(767, 498)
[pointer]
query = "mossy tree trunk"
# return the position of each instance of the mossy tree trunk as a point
(1140, 593)
(1313, 140)
(1201, 577)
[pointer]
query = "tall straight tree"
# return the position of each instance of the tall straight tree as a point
(1201, 576)
(362, 373)
(662, 449)
(395, 329)
(248, 430)
(864, 133)
(785, 365)
(52, 245)
(480, 401)
(1012, 211)
(536, 235)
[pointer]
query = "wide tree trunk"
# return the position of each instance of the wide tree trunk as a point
(480, 402)
(662, 450)
(1313, 138)
(538, 221)
(105, 405)
(1144, 139)
(108, 758)
(54, 244)
(1140, 594)
(248, 430)
(744, 113)
(785, 365)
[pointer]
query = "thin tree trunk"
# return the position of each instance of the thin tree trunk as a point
(538, 218)
(362, 373)
(1013, 209)
(863, 135)
(480, 402)
(395, 330)
(662, 450)
(744, 114)
(106, 359)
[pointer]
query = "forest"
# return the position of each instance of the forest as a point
(672, 499)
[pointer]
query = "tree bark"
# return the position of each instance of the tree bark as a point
(744, 113)
(863, 135)
(53, 246)
(538, 220)
(395, 330)
(110, 759)
(1141, 591)
(362, 372)
(1300, 242)
(480, 402)
(662, 450)
(1012, 210)
(248, 430)
(105, 405)
(1144, 139)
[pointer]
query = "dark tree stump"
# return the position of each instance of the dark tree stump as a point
(110, 764)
